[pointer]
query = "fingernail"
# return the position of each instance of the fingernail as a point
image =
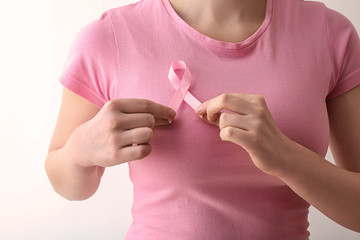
(170, 120)
(198, 109)
(172, 113)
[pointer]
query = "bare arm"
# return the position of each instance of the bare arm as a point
(334, 190)
(86, 140)
(67, 179)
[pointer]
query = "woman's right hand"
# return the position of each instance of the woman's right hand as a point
(120, 132)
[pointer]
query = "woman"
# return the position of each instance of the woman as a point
(286, 74)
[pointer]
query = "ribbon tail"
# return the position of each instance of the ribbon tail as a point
(191, 100)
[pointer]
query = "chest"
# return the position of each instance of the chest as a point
(294, 83)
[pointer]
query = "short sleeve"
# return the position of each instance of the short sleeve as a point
(91, 66)
(344, 47)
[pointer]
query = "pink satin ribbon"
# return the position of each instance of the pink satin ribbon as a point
(182, 86)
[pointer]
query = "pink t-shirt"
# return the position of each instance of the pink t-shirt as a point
(193, 185)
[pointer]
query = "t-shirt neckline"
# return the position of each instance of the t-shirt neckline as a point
(222, 45)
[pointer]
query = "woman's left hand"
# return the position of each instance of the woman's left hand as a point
(250, 126)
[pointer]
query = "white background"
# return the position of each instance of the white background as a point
(35, 37)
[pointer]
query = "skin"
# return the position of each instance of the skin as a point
(230, 20)
(86, 139)
(334, 190)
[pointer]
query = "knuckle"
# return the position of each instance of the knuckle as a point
(260, 112)
(151, 120)
(139, 152)
(256, 98)
(143, 151)
(224, 117)
(110, 105)
(222, 135)
(113, 123)
(226, 133)
(223, 120)
(143, 135)
(259, 98)
(148, 134)
(145, 105)
(229, 132)
(224, 98)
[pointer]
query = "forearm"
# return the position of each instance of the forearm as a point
(331, 189)
(71, 181)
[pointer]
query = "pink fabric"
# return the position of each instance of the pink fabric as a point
(193, 185)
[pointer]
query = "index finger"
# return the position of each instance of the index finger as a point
(235, 102)
(136, 105)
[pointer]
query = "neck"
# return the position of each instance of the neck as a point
(220, 12)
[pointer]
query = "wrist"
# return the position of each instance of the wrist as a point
(75, 166)
(286, 154)
(75, 150)
(289, 158)
(74, 157)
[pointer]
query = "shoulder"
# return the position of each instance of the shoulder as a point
(320, 9)
(104, 23)
(337, 21)
(303, 17)
(301, 6)
(95, 33)
(310, 9)
(313, 18)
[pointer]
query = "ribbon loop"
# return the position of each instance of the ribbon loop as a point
(182, 86)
